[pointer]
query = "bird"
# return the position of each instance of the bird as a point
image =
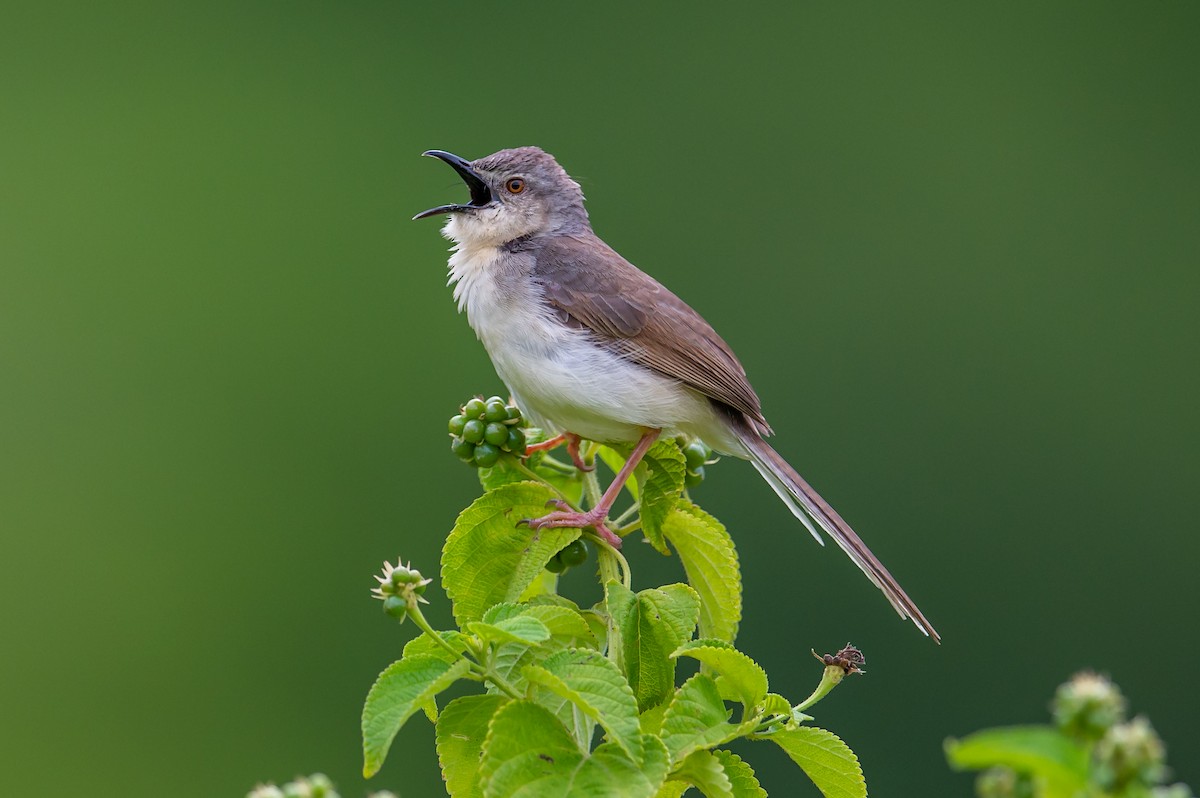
(591, 347)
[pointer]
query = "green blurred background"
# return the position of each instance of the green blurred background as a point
(955, 246)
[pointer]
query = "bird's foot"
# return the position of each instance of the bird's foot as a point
(565, 516)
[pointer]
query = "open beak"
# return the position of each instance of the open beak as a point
(480, 194)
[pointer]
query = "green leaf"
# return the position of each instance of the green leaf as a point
(651, 720)
(505, 472)
(660, 482)
(489, 559)
(775, 704)
(711, 564)
(705, 772)
(742, 781)
(649, 626)
(672, 789)
(594, 685)
(424, 644)
(744, 676)
(567, 626)
(461, 730)
(403, 688)
(502, 473)
(522, 629)
(529, 754)
(696, 718)
(825, 759)
(1038, 750)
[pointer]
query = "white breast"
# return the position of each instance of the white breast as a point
(559, 376)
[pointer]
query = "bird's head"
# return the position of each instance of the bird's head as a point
(514, 193)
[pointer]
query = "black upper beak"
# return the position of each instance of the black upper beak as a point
(480, 193)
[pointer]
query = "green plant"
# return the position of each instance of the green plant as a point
(1091, 751)
(586, 701)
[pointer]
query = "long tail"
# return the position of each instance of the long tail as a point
(806, 503)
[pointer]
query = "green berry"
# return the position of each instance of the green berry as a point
(556, 565)
(486, 455)
(457, 423)
(513, 412)
(496, 433)
(573, 554)
(474, 408)
(694, 478)
(396, 606)
(463, 450)
(696, 453)
(495, 410)
(516, 441)
(473, 431)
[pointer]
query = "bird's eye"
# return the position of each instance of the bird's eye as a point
(515, 185)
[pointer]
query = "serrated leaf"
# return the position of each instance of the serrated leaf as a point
(544, 584)
(660, 483)
(403, 688)
(594, 685)
(1039, 750)
(506, 472)
(711, 563)
(696, 718)
(825, 759)
(522, 629)
(529, 754)
(742, 781)
(488, 559)
(704, 771)
(461, 730)
(744, 676)
(650, 625)
(775, 704)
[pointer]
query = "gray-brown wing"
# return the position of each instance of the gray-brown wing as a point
(591, 285)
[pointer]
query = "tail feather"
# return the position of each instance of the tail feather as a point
(806, 503)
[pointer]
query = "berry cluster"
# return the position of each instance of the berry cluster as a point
(697, 456)
(573, 554)
(400, 586)
(484, 430)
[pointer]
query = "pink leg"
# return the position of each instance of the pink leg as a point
(572, 442)
(597, 516)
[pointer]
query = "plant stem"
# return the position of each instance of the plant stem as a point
(414, 612)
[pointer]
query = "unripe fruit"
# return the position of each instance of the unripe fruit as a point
(474, 408)
(396, 607)
(486, 455)
(515, 442)
(463, 450)
(573, 554)
(495, 410)
(473, 431)
(496, 434)
(457, 423)
(696, 453)
(694, 478)
(512, 411)
(556, 565)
